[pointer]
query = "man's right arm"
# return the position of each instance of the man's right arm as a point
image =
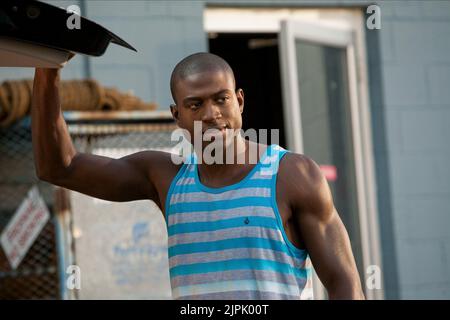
(58, 162)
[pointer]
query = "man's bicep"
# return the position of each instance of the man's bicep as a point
(323, 232)
(327, 242)
(123, 179)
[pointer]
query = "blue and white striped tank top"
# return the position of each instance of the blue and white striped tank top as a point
(229, 243)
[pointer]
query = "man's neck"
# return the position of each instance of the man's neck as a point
(244, 156)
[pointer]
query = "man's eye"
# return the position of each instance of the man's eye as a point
(222, 99)
(195, 105)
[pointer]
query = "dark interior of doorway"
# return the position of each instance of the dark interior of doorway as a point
(255, 60)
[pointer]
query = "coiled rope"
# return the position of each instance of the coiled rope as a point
(75, 95)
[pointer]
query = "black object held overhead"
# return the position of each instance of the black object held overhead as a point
(44, 24)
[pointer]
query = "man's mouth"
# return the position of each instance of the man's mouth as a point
(220, 128)
(215, 132)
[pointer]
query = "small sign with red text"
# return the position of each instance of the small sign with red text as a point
(24, 227)
(329, 171)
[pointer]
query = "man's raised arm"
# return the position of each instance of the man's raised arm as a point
(58, 162)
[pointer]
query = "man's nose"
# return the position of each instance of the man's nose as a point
(211, 112)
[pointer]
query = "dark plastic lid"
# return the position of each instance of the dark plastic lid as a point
(44, 24)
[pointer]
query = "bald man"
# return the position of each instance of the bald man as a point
(237, 230)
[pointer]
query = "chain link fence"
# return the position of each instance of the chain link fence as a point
(38, 275)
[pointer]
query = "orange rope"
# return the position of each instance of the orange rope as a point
(75, 95)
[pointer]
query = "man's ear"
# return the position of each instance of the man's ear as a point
(175, 114)
(240, 98)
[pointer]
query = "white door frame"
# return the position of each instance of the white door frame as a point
(347, 32)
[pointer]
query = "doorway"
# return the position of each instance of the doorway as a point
(254, 59)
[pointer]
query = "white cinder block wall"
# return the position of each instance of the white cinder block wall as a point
(415, 47)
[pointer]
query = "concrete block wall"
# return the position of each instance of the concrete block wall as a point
(415, 47)
(163, 32)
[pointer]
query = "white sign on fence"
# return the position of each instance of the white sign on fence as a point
(24, 227)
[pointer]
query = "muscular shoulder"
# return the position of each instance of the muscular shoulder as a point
(157, 164)
(159, 168)
(306, 188)
(163, 162)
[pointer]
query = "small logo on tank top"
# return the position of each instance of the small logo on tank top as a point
(246, 221)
